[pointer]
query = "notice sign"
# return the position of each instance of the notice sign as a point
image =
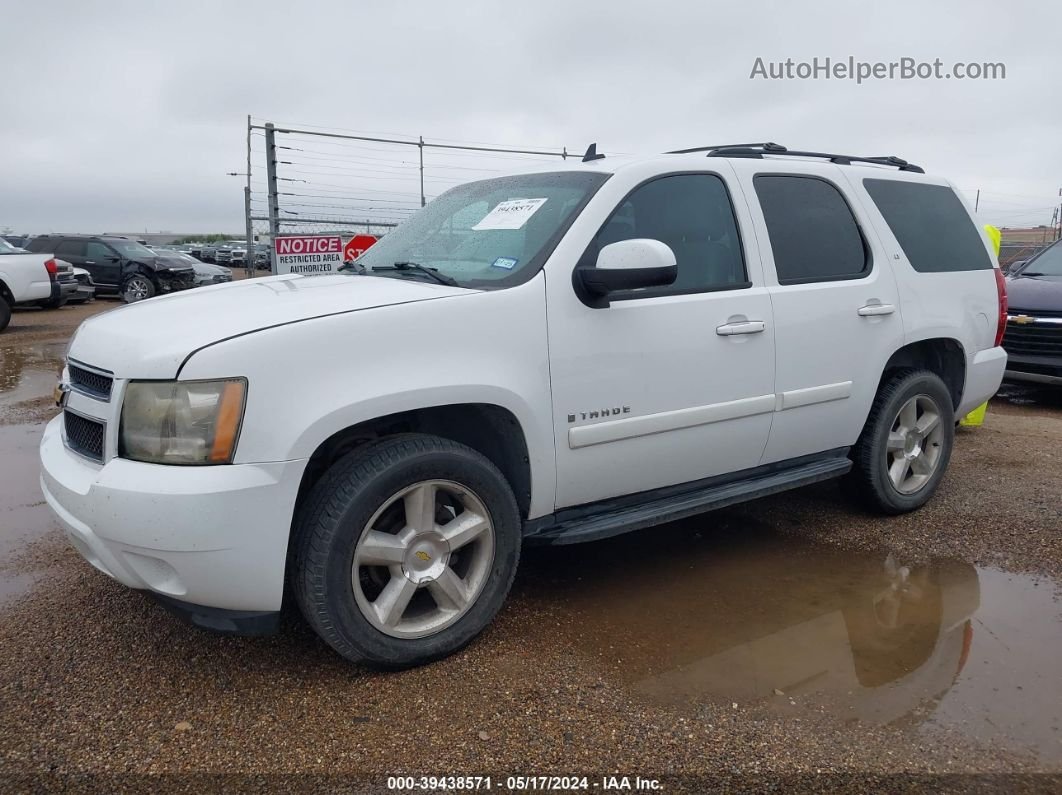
(308, 254)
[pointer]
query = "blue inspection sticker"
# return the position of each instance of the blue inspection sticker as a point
(504, 262)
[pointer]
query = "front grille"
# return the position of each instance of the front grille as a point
(91, 383)
(84, 436)
(1033, 339)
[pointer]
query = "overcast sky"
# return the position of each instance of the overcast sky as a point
(125, 116)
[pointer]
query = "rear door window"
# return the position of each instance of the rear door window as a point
(814, 235)
(70, 248)
(931, 225)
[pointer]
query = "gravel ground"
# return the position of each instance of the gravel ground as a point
(102, 689)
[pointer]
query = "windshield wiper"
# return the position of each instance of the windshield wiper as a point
(441, 278)
(1034, 273)
(351, 265)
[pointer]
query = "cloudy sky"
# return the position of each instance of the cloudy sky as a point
(126, 116)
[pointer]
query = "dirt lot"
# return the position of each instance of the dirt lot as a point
(793, 642)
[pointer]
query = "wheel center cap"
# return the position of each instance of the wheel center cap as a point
(426, 558)
(912, 445)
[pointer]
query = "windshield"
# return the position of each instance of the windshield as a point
(1048, 263)
(492, 233)
(130, 249)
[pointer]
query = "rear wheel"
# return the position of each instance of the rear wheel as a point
(906, 445)
(406, 550)
(137, 287)
(5, 313)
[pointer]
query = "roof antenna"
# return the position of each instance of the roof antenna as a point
(591, 154)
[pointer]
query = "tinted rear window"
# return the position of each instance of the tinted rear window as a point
(40, 244)
(930, 224)
(813, 234)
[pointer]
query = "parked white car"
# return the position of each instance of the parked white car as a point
(550, 357)
(25, 279)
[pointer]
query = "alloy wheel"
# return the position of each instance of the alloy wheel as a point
(913, 450)
(423, 559)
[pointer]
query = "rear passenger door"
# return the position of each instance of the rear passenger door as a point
(836, 308)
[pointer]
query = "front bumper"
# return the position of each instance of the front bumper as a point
(209, 537)
(172, 281)
(1034, 369)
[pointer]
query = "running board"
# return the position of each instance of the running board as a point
(606, 519)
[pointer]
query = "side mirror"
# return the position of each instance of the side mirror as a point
(1014, 266)
(626, 265)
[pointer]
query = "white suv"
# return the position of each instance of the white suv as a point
(553, 357)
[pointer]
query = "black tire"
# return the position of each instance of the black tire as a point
(141, 284)
(337, 512)
(53, 303)
(5, 313)
(869, 478)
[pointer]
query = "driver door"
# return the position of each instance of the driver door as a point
(665, 385)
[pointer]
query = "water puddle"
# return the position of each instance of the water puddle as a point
(739, 615)
(28, 373)
(24, 517)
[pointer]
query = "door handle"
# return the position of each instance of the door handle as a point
(876, 310)
(90, 262)
(741, 327)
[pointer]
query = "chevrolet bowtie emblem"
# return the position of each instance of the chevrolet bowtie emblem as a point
(1023, 319)
(60, 393)
(423, 556)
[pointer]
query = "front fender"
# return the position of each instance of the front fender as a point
(312, 379)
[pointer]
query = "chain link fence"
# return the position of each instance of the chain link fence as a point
(1009, 253)
(308, 180)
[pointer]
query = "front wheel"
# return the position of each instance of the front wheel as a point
(5, 313)
(137, 287)
(406, 550)
(906, 445)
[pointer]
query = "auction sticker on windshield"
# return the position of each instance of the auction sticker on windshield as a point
(511, 214)
(308, 254)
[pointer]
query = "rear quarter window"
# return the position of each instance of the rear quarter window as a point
(931, 225)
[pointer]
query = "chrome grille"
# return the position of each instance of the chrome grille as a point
(1032, 338)
(97, 385)
(84, 436)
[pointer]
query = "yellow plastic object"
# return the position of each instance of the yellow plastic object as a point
(995, 236)
(975, 417)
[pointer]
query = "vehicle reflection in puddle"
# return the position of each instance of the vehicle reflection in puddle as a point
(23, 514)
(739, 614)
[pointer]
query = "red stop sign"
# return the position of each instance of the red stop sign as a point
(357, 246)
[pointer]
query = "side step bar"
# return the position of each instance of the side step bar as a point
(607, 519)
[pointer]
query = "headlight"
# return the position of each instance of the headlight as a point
(182, 422)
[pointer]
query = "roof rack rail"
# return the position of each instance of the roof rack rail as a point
(758, 151)
(766, 145)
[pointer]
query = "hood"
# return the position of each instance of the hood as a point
(173, 263)
(1034, 293)
(151, 339)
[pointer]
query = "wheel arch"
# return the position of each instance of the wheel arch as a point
(944, 356)
(488, 428)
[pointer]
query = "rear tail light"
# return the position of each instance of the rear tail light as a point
(52, 267)
(1001, 293)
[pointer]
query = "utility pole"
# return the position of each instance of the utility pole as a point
(248, 263)
(271, 179)
(421, 146)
